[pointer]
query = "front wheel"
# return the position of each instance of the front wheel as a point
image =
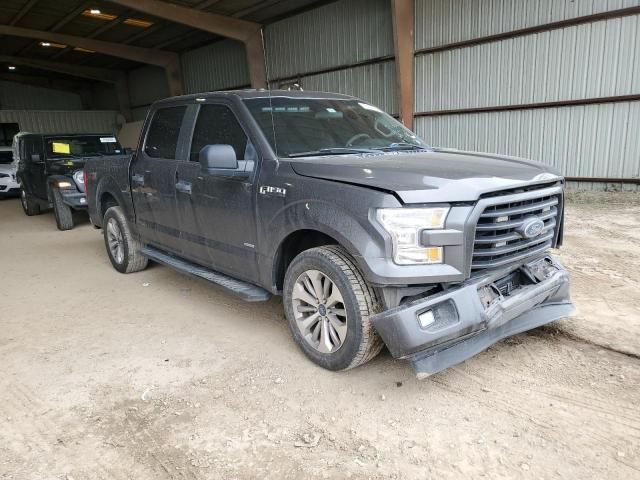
(125, 251)
(328, 306)
(29, 205)
(62, 211)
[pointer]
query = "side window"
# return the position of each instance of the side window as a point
(217, 124)
(162, 137)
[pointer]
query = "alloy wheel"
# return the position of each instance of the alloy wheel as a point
(115, 240)
(319, 311)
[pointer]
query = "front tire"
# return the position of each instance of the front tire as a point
(62, 212)
(328, 306)
(29, 205)
(124, 250)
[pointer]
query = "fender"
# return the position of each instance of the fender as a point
(109, 185)
(324, 217)
(53, 180)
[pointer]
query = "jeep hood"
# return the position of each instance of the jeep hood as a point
(430, 176)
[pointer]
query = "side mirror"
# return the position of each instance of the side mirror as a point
(218, 157)
(35, 158)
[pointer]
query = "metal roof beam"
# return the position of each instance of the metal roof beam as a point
(168, 60)
(23, 11)
(222, 25)
(402, 16)
(250, 33)
(92, 73)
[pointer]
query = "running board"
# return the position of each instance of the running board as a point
(244, 290)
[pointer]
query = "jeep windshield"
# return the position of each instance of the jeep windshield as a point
(304, 127)
(80, 146)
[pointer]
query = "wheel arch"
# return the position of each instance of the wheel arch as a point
(298, 241)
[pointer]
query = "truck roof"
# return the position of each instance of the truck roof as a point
(255, 93)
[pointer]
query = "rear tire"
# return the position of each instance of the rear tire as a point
(29, 205)
(328, 306)
(62, 212)
(124, 250)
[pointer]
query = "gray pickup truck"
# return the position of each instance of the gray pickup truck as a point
(371, 236)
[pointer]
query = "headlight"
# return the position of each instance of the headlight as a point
(404, 226)
(78, 177)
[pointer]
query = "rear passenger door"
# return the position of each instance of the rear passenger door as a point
(217, 212)
(153, 172)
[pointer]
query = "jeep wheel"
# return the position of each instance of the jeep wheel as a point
(328, 306)
(29, 205)
(125, 252)
(62, 212)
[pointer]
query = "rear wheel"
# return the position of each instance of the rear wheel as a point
(62, 212)
(328, 306)
(29, 205)
(125, 251)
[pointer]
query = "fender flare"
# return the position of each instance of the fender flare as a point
(107, 185)
(329, 219)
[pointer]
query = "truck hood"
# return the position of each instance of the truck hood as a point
(429, 176)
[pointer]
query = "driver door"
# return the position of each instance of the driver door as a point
(216, 211)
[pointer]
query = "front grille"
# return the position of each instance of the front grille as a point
(499, 239)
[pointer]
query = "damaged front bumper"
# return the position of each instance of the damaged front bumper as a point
(447, 328)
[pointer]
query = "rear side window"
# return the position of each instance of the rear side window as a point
(217, 124)
(162, 138)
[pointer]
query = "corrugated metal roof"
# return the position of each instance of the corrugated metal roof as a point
(45, 15)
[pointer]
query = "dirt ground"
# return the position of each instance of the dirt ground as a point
(158, 376)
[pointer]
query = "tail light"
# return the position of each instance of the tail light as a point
(84, 177)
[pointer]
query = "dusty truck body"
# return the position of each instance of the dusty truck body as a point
(372, 237)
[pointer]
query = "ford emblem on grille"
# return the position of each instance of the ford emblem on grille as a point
(532, 227)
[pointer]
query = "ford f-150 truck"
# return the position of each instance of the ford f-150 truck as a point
(371, 236)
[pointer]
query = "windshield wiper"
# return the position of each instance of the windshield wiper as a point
(331, 151)
(402, 146)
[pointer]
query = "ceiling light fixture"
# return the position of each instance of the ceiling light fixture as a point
(99, 14)
(137, 22)
(53, 45)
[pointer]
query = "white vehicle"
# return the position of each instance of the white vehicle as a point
(8, 185)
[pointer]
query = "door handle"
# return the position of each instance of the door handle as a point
(137, 179)
(184, 187)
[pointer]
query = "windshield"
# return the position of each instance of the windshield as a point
(6, 156)
(82, 146)
(298, 127)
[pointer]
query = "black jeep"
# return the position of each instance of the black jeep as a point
(50, 171)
